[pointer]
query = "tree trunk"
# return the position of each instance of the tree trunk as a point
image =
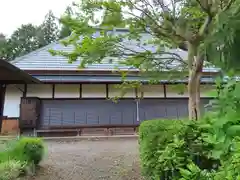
(195, 71)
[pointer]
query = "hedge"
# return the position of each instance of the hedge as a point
(154, 135)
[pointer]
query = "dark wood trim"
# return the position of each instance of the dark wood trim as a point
(10, 118)
(88, 72)
(53, 91)
(107, 91)
(90, 126)
(2, 100)
(77, 72)
(107, 82)
(165, 90)
(25, 91)
(127, 98)
(136, 93)
(80, 91)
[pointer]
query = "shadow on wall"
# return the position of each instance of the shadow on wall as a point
(10, 126)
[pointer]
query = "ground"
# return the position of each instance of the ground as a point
(116, 159)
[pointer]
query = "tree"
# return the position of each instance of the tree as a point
(222, 47)
(23, 40)
(65, 31)
(113, 18)
(48, 30)
(185, 24)
(3, 47)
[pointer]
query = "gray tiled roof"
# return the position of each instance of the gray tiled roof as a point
(41, 59)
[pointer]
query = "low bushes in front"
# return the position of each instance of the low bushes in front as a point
(208, 149)
(171, 149)
(19, 155)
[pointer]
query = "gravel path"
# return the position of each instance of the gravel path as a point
(91, 160)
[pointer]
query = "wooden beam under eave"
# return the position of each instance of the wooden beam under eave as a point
(164, 90)
(2, 99)
(107, 91)
(136, 93)
(80, 91)
(25, 90)
(53, 91)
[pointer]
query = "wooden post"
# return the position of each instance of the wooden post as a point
(165, 90)
(2, 98)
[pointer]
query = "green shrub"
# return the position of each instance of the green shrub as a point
(168, 147)
(10, 170)
(19, 155)
(154, 136)
(195, 150)
(29, 149)
(26, 149)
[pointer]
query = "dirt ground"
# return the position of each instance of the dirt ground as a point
(90, 160)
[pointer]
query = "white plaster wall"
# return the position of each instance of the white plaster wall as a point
(151, 91)
(176, 91)
(13, 94)
(114, 91)
(208, 90)
(39, 90)
(67, 91)
(93, 90)
(12, 100)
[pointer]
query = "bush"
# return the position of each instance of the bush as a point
(20, 155)
(29, 149)
(10, 170)
(154, 136)
(195, 150)
(168, 148)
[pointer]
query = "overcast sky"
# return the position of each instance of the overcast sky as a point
(13, 13)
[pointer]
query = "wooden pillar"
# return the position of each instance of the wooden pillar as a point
(165, 90)
(80, 91)
(25, 90)
(53, 91)
(2, 98)
(107, 91)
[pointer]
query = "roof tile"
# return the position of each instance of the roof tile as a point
(41, 59)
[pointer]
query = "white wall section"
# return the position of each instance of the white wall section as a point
(12, 100)
(174, 91)
(39, 90)
(114, 91)
(67, 90)
(13, 94)
(151, 91)
(93, 90)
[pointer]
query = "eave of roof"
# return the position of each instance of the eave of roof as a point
(20, 75)
(108, 79)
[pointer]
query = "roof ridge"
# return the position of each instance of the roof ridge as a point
(33, 52)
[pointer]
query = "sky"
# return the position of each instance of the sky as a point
(13, 13)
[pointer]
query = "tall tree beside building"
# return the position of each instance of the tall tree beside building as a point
(23, 40)
(3, 47)
(48, 30)
(189, 25)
